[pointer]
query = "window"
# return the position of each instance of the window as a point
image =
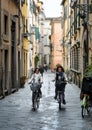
(65, 12)
(75, 20)
(23, 24)
(22, 2)
(26, 2)
(31, 5)
(26, 25)
(5, 24)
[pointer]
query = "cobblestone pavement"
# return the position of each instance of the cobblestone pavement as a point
(16, 113)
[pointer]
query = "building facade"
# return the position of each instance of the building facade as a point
(81, 49)
(65, 39)
(25, 36)
(56, 53)
(10, 46)
(47, 47)
(80, 37)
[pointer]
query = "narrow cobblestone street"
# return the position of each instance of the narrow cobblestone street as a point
(16, 113)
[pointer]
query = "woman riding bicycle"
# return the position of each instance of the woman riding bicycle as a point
(37, 78)
(60, 82)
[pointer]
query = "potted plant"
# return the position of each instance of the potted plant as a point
(36, 60)
(88, 71)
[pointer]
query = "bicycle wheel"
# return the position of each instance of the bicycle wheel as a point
(83, 112)
(34, 101)
(85, 107)
(60, 98)
(38, 102)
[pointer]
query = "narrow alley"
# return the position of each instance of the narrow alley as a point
(16, 112)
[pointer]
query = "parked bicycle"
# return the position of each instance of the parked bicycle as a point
(85, 105)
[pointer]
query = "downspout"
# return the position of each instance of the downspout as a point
(0, 22)
(1, 58)
(88, 36)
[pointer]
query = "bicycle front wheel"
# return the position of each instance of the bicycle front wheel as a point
(38, 102)
(84, 112)
(34, 101)
(59, 101)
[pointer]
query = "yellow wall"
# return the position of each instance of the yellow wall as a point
(25, 39)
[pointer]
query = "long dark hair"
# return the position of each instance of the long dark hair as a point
(36, 69)
(61, 68)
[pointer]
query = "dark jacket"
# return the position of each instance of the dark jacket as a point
(41, 70)
(86, 85)
(60, 78)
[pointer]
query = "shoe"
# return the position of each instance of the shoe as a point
(40, 96)
(55, 97)
(64, 102)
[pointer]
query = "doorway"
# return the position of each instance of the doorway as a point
(6, 68)
(13, 54)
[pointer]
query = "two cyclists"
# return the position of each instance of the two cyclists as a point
(60, 81)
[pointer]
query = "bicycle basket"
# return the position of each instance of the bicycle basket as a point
(34, 86)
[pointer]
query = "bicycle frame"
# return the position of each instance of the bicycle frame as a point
(60, 97)
(85, 105)
(35, 99)
(85, 102)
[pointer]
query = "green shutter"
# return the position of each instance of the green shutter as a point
(37, 35)
(34, 8)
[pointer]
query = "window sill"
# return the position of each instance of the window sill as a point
(6, 38)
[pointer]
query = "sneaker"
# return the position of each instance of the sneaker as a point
(40, 95)
(64, 102)
(55, 97)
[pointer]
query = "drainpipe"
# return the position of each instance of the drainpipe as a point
(0, 21)
(1, 58)
(88, 36)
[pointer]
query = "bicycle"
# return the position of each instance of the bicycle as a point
(35, 95)
(60, 93)
(85, 105)
(35, 99)
(60, 98)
